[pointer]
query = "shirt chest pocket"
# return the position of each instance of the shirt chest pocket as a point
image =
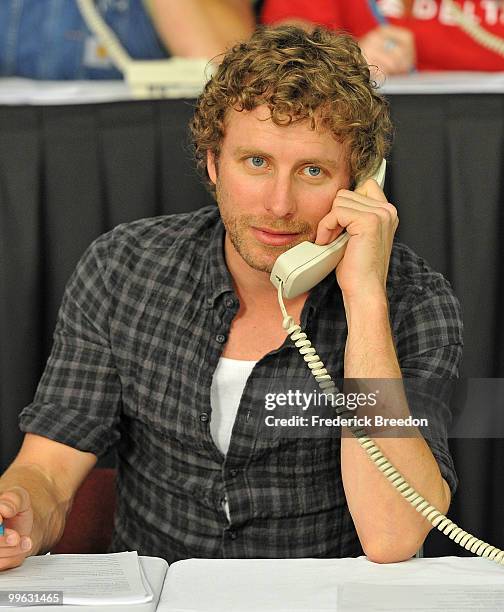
(167, 366)
(157, 388)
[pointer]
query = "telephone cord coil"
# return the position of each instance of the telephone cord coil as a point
(421, 505)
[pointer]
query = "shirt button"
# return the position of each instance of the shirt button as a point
(221, 338)
(233, 473)
(232, 534)
(203, 417)
(230, 302)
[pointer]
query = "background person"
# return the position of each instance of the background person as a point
(402, 35)
(49, 39)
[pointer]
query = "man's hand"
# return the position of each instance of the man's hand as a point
(17, 518)
(390, 48)
(371, 222)
(36, 493)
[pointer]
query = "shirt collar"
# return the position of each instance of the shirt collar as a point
(217, 275)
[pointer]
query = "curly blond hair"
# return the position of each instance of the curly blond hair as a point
(320, 76)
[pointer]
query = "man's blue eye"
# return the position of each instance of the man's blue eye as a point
(257, 161)
(314, 171)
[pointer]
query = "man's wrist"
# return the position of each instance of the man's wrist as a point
(366, 305)
(369, 333)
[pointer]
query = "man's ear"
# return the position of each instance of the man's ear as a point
(211, 167)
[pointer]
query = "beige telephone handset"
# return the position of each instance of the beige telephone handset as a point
(306, 264)
(298, 270)
(176, 77)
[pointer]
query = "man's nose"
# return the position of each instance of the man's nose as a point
(280, 199)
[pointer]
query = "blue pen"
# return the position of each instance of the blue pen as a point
(377, 14)
(1, 530)
(381, 19)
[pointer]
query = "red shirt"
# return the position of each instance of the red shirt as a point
(440, 44)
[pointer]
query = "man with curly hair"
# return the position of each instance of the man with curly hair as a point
(170, 326)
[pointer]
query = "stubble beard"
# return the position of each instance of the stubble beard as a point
(238, 231)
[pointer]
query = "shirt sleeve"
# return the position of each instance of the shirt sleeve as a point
(78, 399)
(326, 13)
(429, 347)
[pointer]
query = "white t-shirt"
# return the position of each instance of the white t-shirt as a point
(229, 380)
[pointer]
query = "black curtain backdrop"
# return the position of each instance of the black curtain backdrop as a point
(70, 173)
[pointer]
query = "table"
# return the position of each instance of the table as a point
(339, 585)
(318, 585)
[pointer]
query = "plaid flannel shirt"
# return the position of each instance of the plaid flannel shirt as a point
(142, 325)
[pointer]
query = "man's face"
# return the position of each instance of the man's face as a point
(274, 184)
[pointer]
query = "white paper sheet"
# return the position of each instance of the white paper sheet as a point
(329, 584)
(444, 83)
(84, 579)
(155, 571)
(19, 91)
(421, 598)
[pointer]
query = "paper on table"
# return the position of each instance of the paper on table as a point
(443, 584)
(200, 585)
(246, 585)
(84, 579)
(444, 83)
(19, 91)
(153, 568)
(421, 598)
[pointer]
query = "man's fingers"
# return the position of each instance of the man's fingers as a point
(23, 548)
(14, 501)
(345, 211)
(12, 543)
(16, 518)
(352, 199)
(325, 234)
(386, 211)
(13, 539)
(7, 509)
(371, 189)
(12, 561)
(328, 227)
(10, 538)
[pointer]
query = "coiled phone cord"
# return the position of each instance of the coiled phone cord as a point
(421, 505)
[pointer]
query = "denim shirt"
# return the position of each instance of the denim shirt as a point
(140, 332)
(48, 39)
